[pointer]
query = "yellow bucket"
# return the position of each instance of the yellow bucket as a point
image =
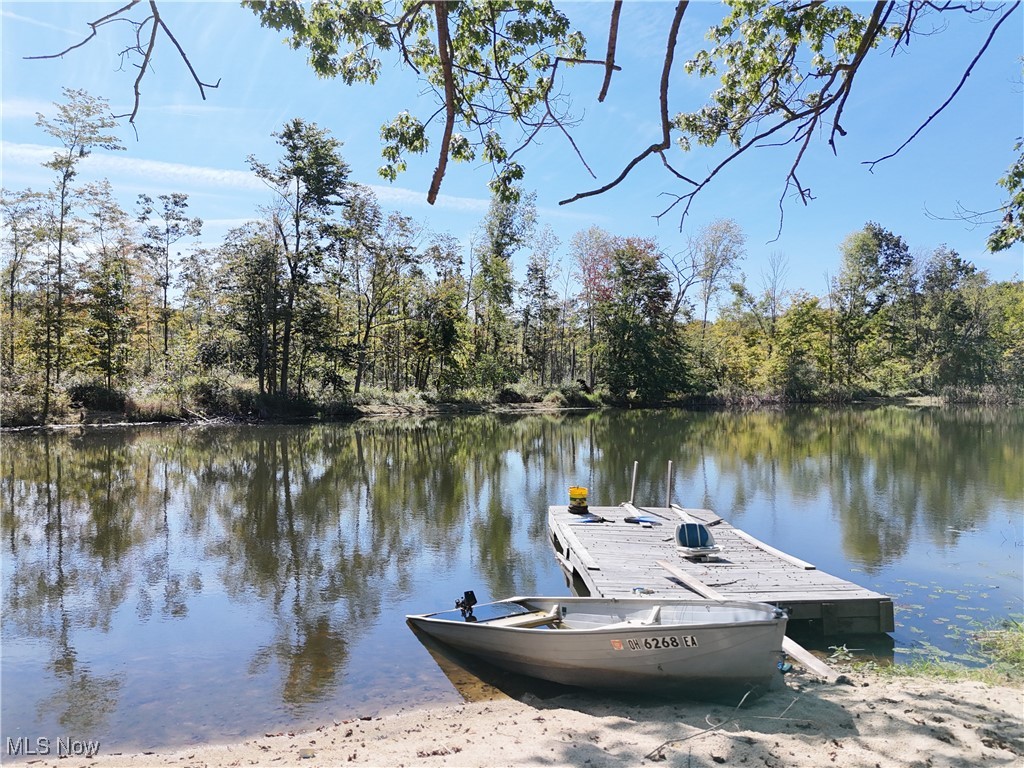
(577, 496)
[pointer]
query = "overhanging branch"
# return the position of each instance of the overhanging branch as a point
(445, 55)
(967, 73)
(666, 126)
(613, 36)
(146, 51)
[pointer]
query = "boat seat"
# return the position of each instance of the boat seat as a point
(654, 617)
(527, 620)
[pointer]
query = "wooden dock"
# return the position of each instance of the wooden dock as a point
(616, 558)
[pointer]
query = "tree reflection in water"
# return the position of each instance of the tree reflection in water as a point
(146, 569)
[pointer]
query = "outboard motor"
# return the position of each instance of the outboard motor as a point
(465, 604)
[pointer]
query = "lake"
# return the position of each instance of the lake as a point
(170, 585)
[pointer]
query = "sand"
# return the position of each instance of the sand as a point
(863, 720)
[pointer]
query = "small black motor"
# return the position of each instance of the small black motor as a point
(466, 603)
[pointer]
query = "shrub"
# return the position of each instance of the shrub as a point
(152, 408)
(510, 396)
(556, 399)
(577, 397)
(97, 396)
(216, 395)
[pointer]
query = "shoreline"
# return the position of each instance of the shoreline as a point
(862, 721)
(99, 419)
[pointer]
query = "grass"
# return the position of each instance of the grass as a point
(1002, 645)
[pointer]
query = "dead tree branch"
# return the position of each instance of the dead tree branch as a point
(967, 73)
(94, 25)
(144, 50)
(445, 55)
(613, 36)
(666, 125)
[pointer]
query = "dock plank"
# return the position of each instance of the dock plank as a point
(616, 558)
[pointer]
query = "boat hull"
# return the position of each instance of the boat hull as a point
(696, 649)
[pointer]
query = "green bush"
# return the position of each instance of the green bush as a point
(471, 396)
(18, 409)
(96, 396)
(576, 397)
(216, 396)
(511, 396)
(152, 407)
(556, 399)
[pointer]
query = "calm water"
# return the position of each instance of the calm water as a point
(163, 586)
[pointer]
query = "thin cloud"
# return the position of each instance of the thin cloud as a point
(154, 171)
(404, 196)
(20, 109)
(6, 14)
(158, 172)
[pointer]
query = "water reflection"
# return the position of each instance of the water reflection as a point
(264, 570)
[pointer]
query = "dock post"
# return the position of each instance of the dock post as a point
(668, 485)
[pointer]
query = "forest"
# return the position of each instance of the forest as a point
(324, 302)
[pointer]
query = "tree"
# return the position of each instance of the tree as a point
(162, 229)
(439, 324)
(591, 253)
(109, 284)
(759, 317)
(20, 215)
(1007, 301)
(310, 181)
(249, 279)
(957, 325)
(716, 251)
(855, 301)
(483, 62)
(799, 367)
(379, 250)
(504, 231)
(1010, 229)
(81, 124)
(642, 347)
(877, 301)
(201, 343)
(540, 312)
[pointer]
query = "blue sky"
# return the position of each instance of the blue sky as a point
(185, 144)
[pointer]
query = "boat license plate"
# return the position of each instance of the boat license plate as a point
(656, 643)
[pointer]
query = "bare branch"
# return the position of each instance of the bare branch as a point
(145, 61)
(732, 156)
(199, 83)
(93, 25)
(613, 35)
(870, 35)
(872, 163)
(406, 21)
(974, 218)
(444, 53)
(554, 119)
(674, 172)
(666, 126)
(143, 49)
(810, 117)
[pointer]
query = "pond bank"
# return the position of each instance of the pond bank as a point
(89, 417)
(869, 721)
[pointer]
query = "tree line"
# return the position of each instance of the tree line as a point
(324, 299)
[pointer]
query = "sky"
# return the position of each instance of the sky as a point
(183, 143)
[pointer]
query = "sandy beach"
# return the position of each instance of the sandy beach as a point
(863, 720)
